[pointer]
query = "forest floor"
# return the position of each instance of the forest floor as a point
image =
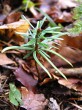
(20, 75)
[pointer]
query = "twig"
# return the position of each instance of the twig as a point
(77, 72)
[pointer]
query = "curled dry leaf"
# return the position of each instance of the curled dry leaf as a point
(72, 83)
(46, 80)
(19, 26)
(4, 60)
(33, 101)
(12, 17)
(7, 31)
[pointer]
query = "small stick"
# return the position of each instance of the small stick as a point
(70, 71)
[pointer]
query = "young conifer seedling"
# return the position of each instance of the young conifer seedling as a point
(38, 45)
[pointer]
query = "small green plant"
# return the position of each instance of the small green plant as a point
(14, 95)
(38, 45)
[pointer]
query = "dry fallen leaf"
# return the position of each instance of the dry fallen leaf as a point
(46, 80)
(4, 60)
(33, 101)
(7, 31)
(74, 42)
(19, 26)
(26, 78)
(12, 17)
(71, 49)
(72, 55)
(72, 83)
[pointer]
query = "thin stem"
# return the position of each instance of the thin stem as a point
(36, 49)
(39, 79)
(36, 45)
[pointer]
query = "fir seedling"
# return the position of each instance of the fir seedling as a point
(38, 45)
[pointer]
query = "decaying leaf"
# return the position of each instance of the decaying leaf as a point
(71, 49)
(12, 17)
(19, 26)
(33, 101)
(72, 55)
(46, 80)
(26, 78)
(72, 41)
(4, 60)
(72, 83)
(7, 31)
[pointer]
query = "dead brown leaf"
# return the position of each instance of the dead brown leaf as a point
(74, 42)
(4, 60)
(72, 55)
(33, 101)
(46, 80)
(26, 78)
(70, 48)
(19, 26)
(12, 17)
(7, 31)
(72, 83)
